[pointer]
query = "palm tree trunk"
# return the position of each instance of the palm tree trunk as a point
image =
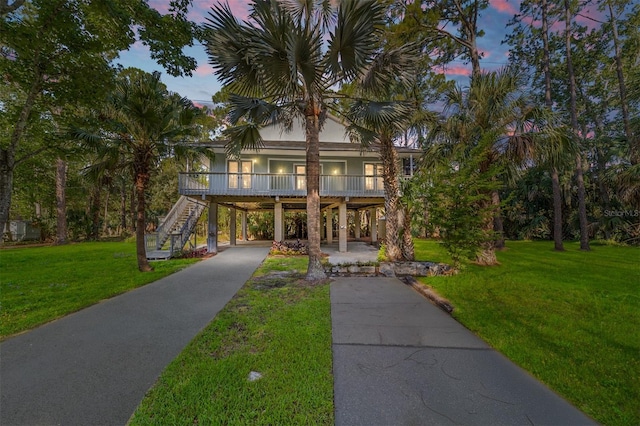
(141, 180)
(61, 201)
(498, 226)
(487, 254)
(582, 204)
(315, 270)
(389, 158)
(408, 249)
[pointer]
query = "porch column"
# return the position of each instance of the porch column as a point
(232, 226)
(277, 219)
(373, 224)
(323, 227)
(342, 226)
(212, 228)
(356, 217)
(329, 225)
(243, 216)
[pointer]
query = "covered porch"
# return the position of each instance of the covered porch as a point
(343, 219)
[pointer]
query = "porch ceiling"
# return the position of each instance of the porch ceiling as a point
(293, 203)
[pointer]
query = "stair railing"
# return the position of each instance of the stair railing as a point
(189, 225)
(170, 220)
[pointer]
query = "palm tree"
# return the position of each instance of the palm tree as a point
(494, 121)
(140, 124)
(280, 69)
(380, 122)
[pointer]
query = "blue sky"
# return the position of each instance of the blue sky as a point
(203, 84)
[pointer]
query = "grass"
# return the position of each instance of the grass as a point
(570, 318)
(276, 325)
(40, 284)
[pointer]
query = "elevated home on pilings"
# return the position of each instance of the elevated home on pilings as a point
(274, 179)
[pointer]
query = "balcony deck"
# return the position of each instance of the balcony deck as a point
(282, 185)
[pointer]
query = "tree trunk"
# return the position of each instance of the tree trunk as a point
(94, 212)
(498, 226)
(7, 155)
(133, 208)
(105, 221)
(408, 249)
(389, 158)
(61, 201)
(123, 206)
(315, 270)
(558, 244)
(6, 186)
(555, 179)
(633, 144)
(582, 206)
(142, 179)
(487, 254)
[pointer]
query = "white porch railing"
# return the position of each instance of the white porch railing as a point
(255, 184)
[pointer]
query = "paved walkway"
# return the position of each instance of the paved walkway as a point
(94, 367)
(399, 360)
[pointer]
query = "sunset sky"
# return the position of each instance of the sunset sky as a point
(203, 84)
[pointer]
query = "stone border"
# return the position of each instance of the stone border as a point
(390, 269)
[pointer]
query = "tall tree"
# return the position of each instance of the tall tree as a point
(573, 109)
(494, 127)
(53, 52)
(555, 176)
(379, 113)
(143, 123)
(622, 85)
(448, 29)
(280, 69)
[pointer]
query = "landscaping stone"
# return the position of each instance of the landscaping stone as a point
(387, 269)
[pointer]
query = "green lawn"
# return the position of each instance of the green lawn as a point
(570, 318)
(39, 284)
(277, 326)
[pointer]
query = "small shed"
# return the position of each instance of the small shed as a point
(21, 230)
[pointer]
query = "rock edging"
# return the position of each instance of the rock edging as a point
(390, 269)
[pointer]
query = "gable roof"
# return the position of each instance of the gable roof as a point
(333, 131)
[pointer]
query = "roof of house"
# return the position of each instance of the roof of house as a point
(333, 137)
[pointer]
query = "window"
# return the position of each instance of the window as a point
(240, 174)
(373, 177)
(301, 176)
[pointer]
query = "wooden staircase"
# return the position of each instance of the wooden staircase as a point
(175, 230)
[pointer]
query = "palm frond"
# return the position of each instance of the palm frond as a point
(379, 116)
(389, 67)
(243, 137)
(253, 110)
(361, 135)
(350, 47)
(227, 42)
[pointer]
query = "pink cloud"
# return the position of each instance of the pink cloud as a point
(204, 70)
(161, 6)
(454, 70)
(505, 6)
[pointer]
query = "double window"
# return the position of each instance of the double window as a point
(239, 174)
(373, 177)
